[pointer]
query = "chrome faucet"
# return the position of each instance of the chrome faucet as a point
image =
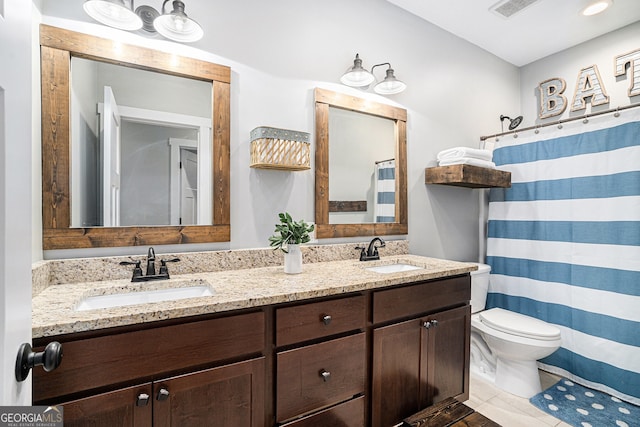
(371, 252)
(151, 262)
(151, 268)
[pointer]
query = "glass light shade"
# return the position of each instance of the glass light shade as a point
(390, 85)
(595, 7)
(357, 76)
(177, 26)
(113, 13)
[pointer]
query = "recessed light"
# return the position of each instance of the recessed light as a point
(595, 7)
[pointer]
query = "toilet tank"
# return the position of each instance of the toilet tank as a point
(479, 287)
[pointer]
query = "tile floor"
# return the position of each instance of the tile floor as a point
(509, 410)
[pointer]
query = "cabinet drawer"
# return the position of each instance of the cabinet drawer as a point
(420, 298)
(348, 414)
(301, 385)
(319, 319)
(102, 361)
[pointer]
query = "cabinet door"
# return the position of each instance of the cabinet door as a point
(127, 407)
(445, 355)
(396, 373)
(418, 363)
(228, 396)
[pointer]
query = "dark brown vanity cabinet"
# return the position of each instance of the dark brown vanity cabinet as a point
(170, 369)
(370, 358)
(422, 360)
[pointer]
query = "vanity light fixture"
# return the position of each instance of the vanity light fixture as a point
(357, 76)
(390, 85)
(596, 6)
(174, 25)
(114, 13)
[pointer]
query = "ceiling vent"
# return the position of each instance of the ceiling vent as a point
(508, 8)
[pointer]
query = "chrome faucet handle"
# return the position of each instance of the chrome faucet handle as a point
(137, 270)
(363, 252)
(163, 265)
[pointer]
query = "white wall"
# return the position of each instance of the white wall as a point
(15, 193)
(279, 51)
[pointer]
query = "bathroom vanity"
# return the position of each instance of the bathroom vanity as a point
(339, 344)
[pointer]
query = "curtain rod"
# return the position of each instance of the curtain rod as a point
(557, 122)
(382, 161)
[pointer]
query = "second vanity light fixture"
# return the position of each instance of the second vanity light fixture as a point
(174, 25)
(357, 76)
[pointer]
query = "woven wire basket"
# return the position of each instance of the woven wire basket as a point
(282, 149)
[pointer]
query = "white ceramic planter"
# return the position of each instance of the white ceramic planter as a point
(293, 260)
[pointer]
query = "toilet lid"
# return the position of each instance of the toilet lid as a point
(519, 324)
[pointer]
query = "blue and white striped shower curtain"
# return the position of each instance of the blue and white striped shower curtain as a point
(564, 244)
(385, 191)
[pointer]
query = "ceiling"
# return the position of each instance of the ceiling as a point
(540, 29)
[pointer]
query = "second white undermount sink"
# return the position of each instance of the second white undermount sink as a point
(393, 268)
(142, 297)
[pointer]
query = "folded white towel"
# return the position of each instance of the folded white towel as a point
(457, 152)
(467, 161)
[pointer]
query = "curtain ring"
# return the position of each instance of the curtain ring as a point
(617, 113)
(497, 139)
(537, 131)
(559, 125)
(515, 135)
(585, 120)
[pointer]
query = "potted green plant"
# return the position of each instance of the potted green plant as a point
(289, 236)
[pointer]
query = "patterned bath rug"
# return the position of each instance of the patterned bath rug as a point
(583, 407)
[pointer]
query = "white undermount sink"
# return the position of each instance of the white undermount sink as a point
(142, 297)
(393, 268)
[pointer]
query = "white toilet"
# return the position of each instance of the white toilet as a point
(506, 345)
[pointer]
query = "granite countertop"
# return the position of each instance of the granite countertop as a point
(54, 308)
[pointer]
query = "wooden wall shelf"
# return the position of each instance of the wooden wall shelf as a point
(467, 176)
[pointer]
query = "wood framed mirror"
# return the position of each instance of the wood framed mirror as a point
(337, 108)
(58, 47)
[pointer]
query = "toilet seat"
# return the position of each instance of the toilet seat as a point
(519, 324)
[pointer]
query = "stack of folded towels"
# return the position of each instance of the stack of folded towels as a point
(466, 156)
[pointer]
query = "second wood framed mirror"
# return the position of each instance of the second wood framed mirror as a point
(361, 167)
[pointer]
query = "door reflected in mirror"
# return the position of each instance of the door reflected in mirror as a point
(140, 147)
(361, 167)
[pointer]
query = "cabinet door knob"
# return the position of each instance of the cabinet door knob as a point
(426, 325)
(434, 323)
(326, 375)
(163, 394)
(142, 400)
(326, 319)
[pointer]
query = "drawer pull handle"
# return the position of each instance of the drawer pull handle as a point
(326, 319)
(142, 400)
(163, 394)
(326, 375)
